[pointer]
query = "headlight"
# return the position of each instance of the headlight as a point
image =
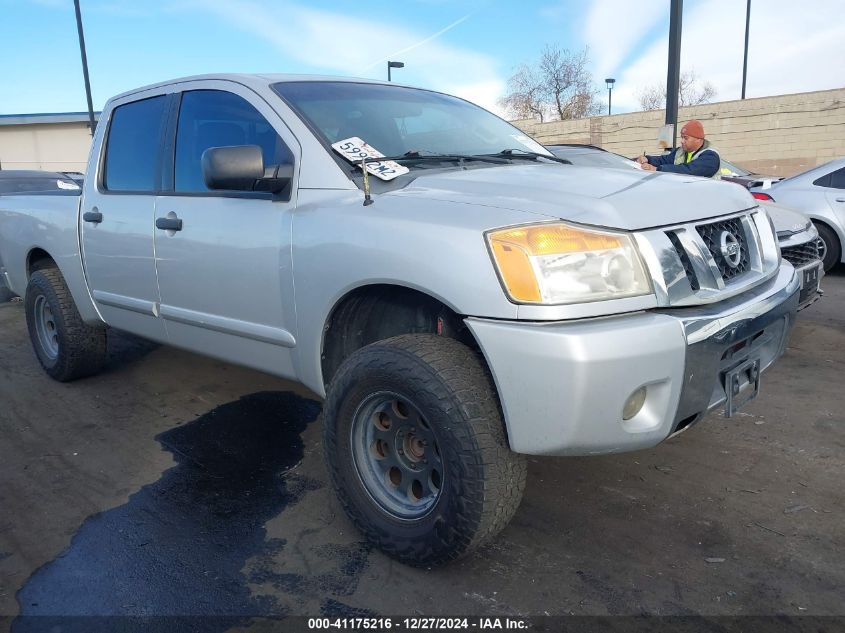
(562, 263)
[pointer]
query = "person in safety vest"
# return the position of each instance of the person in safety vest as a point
(695, 157)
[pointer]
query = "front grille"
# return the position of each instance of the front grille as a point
(685, 260)
(712, 236)
(802, 254)
(687, 264)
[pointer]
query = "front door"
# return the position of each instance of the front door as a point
(225, 276)
(118, 218)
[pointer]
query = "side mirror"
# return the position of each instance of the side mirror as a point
(241, 168)
(276, 178)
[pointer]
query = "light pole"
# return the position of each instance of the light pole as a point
(745, 57)
(673, 74)
(84, 65)
(393, 65)
(609, 81)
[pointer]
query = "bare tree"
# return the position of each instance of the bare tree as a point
(559, 86)
(652, 98)
(692, 91)
(524, 99)
(568, 83)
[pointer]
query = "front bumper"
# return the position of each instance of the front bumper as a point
(801, 250)
(809, 276)
(563, 385)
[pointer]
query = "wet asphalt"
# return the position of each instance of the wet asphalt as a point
(174, 485)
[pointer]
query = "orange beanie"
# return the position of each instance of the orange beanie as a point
(693, 128)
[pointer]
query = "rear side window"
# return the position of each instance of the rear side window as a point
(837, 179)
(132, 147)
(824, 181)
(214, 118)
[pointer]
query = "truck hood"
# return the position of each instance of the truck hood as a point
(612, 198)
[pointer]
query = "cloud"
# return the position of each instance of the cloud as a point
(345, 44)
(791, 49)
(613, 28)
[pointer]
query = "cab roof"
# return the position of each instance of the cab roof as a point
(257, 80)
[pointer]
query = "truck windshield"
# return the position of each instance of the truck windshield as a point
(396, 120)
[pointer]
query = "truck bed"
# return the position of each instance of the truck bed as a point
(48, 221)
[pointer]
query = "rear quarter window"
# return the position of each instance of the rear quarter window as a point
(837, 179)
(824, 181)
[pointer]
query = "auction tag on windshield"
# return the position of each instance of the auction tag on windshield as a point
(530, 143)
(355, 149)
(64, 184)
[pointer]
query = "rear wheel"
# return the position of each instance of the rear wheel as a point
(416, 449)
(830, 250)
(65, 345)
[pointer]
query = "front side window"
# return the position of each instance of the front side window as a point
(214, 118)
(396, 120)
(133, 145)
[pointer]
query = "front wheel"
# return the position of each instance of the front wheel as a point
(66, 346)
(416, 449)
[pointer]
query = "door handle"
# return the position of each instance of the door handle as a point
(95, 217)
(169, 224)
(840, 199)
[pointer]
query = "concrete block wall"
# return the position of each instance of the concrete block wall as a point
(780, 136)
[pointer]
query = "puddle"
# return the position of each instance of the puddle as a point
(178, 546)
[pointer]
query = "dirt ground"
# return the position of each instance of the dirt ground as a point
(173, 484)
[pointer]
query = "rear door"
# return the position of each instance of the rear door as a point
(225, 277)
(835, 193)
(118, 217)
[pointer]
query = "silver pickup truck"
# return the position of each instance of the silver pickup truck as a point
(459, 297)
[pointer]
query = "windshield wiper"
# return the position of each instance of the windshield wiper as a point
(525, 154)
(417, 156)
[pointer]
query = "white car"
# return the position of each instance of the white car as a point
(820, 195)
(799, 245)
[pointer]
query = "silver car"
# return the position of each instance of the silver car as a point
(799, 245)
(820, 195)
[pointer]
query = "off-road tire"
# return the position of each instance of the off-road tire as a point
(832, 246)
(81, 347)
(483, 479)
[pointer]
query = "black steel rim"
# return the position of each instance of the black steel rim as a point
(396, 456)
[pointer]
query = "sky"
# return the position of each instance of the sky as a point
(463, 47)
